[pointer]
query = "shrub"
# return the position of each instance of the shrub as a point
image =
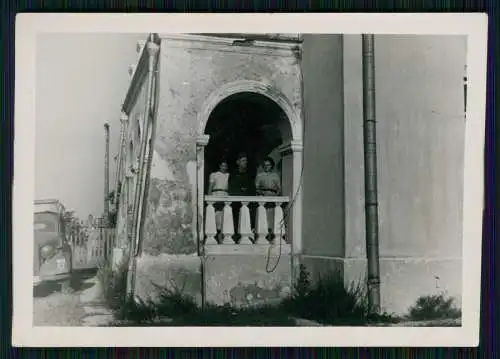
(431, 307)
(172, 301)
(114, 284)
(329, 301)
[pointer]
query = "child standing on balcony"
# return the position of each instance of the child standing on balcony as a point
(218, 186)
(267, 183)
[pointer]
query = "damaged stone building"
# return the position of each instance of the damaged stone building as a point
(298, 98)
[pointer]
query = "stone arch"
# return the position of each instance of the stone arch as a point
(262, 88)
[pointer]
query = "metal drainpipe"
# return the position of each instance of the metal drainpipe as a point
(119, 169)
(152, 49)
(149, 162)
(106, 174)
(370, 157)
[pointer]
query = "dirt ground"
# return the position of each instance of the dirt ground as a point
(51, 307)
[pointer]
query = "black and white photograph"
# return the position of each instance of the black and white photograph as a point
(196, 180)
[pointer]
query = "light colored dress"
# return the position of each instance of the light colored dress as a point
(268, 184)
(218, 183)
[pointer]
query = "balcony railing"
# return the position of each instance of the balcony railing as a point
(245, 219)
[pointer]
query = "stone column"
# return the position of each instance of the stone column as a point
(201, 142)
(296, 211)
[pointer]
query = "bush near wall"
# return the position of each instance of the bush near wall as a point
(432, 307)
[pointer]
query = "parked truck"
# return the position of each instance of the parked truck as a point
(53, 260)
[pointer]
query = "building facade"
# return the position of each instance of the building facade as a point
(195, 99)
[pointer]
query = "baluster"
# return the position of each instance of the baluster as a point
(245, 228)
(261, 222)
(279, 226)
(210, 227)
(228, 225)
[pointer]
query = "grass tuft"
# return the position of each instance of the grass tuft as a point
(329, 301)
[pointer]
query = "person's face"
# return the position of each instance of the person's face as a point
(223, 167)
(268, 166)
(242, 163)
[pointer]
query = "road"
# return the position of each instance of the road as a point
(51, 307)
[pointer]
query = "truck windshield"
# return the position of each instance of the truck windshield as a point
(46, 222)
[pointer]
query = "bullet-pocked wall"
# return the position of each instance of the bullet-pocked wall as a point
(420, 145)
(191, 70)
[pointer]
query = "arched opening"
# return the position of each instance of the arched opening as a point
(255, 208)
(250, 123)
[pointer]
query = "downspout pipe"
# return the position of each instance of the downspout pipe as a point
(139, 201)
(106, 175)
(119, 169)
(370, 158)
(151, 135)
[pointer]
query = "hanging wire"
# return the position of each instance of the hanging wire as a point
(282, 224)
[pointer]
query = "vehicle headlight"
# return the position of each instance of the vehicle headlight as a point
(47, 250)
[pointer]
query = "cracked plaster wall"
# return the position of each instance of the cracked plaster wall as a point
(186, 79)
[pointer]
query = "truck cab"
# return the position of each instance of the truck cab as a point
(52, 252)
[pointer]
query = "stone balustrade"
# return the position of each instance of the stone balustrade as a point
(259, 220)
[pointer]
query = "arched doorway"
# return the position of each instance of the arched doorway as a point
(259, 126)
(249, 123)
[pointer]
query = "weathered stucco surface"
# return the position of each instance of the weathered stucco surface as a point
(175, 272)
(132, 137)
(420, 138)
(420, 134)
(246, 279)
(187, 77)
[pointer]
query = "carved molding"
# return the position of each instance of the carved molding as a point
(292, 146)
(263, 88)
(139, 75)
(232, 44)
(202, 140)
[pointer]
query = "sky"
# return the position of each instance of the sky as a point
(81, 82)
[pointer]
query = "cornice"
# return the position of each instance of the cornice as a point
(139, 74)
(233, 43)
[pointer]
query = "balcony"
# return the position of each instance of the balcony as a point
(259, 220)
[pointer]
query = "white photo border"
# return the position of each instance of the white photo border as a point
(29, 25)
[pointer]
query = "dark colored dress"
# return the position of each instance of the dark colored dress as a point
(241, 184)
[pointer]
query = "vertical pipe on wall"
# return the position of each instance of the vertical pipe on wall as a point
(370, 157)
(106, 174)
(139, 201)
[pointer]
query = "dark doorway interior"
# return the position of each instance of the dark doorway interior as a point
(244, 122)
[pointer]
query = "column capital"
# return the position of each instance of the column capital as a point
(202, 140)
(292, 146)
(296, 146)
